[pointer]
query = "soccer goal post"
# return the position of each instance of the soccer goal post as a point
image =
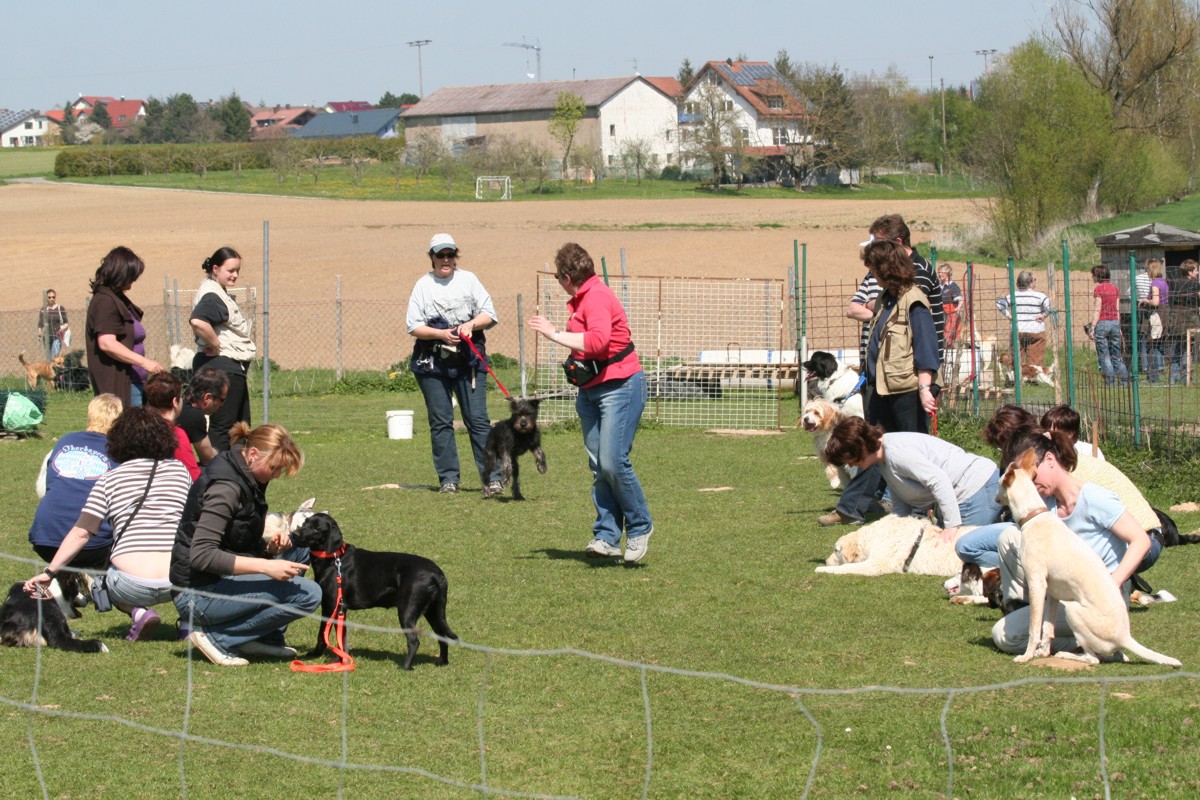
(493, 187)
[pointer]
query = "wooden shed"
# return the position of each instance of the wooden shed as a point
(1156, 240)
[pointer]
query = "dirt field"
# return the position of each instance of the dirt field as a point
(55, 235)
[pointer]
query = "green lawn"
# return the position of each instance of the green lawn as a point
(724, 667)
(24, 162)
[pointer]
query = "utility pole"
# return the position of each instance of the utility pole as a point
(536, 48)
(419, 43)
(985, 54)
(942, 81)
(931, 74)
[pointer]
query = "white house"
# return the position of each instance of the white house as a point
(23, 128)
(618, 111)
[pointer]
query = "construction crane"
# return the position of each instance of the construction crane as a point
(536, 48)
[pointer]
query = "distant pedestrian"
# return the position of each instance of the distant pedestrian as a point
(1033, 308)
(53, 331)
(951, 303)
(1105, 329)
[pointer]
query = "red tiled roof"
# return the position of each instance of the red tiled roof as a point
(756, 81)
(671, 87)
(339, 106)
(129, 109)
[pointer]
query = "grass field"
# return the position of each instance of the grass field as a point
(23, 162)
(724, 667)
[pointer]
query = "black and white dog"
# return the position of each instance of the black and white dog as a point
(413, 585)
(20, 612)
(831, 380)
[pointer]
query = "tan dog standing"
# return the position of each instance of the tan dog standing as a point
(1061, 568)
(43, 369)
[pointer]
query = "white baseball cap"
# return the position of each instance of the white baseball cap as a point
(442, 241)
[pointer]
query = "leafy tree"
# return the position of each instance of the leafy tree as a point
(426, 149)
(712, 136)
(1138, 52)
(569, 109)
(233, 118)
(68, 126)
(101, 117)
(827, 136)
(686, 72)
(390, 100)
(1043, 133)
(885, 129)
(638, 157)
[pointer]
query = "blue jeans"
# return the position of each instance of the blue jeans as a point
(472, 399)
(982, 545)
(1108, 351)
(241, 609)
(981, 508)
(609, 414)
(127, 590)
(135, 394)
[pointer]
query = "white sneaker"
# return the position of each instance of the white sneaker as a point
(268, 650)
(637, 547)
(216, 655)
(598, 548)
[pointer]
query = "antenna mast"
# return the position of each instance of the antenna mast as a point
(536, 48)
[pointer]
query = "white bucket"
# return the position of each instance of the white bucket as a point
(400, 424)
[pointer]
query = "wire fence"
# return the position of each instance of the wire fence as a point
(718, 353)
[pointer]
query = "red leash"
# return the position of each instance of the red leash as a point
(488, 366)
(335, 623)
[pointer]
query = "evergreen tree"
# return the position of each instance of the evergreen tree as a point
(68, 126)
(100, 116)
(686, 72)
(233, 118)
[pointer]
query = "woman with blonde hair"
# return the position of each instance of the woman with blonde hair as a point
(234, 589)
(67, 476)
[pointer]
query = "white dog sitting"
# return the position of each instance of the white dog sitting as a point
(1060, 568)
(818, 418)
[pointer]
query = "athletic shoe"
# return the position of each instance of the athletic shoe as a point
(268, 650)
(836, 517)
(449, 488)
(637, 547)
(495, 488)
(598, 548)
(145, 620)
(216, 655)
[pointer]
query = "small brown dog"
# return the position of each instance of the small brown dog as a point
(43, 369)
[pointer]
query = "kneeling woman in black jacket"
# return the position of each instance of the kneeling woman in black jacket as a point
(238, 597)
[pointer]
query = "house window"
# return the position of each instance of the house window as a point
(121, 118)
(780, 135)
(743, 137)
(668, 136)
(612, 130)
(775, 103)
(729, 105)
(610, 160)
(28, 124)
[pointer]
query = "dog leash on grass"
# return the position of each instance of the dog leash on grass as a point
(336, 623)
(486, 365)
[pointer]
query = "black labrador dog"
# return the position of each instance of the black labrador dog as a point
(412, 585)
(19, 617)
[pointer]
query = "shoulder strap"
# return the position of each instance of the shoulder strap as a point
(620, 356)
(136, 508)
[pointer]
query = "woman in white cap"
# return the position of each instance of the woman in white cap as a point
(449, 305)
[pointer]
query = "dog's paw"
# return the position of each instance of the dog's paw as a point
(103, 647)
(1024, 658)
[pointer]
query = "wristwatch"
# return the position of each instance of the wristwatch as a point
(50, 572)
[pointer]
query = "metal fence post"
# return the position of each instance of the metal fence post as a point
(1070, 335)
(521, 344)
(1135, 344)
(1016, 337)
(266, 317)
(340, 371)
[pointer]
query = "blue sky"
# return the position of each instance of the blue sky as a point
(306, 52)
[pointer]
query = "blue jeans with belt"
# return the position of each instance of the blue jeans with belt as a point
(609, 414)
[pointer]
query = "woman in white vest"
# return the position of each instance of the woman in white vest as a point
(223, 341)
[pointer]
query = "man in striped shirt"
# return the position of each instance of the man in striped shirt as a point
(1032, 309)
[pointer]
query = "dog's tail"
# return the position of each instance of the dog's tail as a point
(21, 358)
(435, 612)
(1149, 655)
(1189, 538)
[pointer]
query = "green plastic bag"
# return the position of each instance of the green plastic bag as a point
(20, 414)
